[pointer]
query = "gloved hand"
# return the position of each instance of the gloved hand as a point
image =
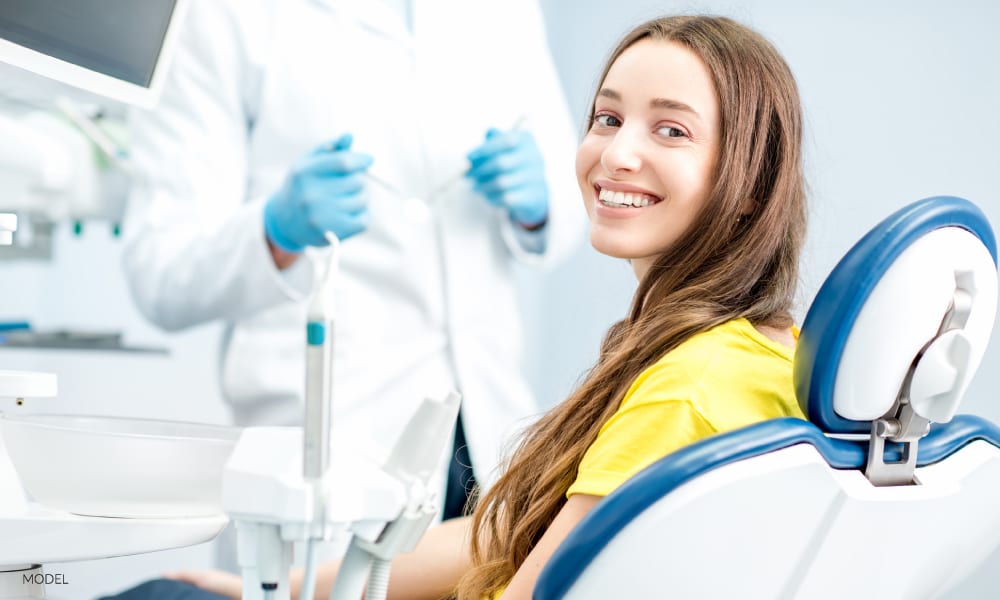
(322, 192)
(508, 170)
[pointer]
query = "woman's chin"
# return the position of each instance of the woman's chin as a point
(612, 248)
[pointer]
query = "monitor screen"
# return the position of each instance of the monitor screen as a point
(120, 38)
(106, 40)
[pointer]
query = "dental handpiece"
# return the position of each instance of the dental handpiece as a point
(319, 371)
(316, 427)
(318, 406)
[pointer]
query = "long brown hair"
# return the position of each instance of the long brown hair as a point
(738, 259)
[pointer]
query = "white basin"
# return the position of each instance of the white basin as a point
(117, 467)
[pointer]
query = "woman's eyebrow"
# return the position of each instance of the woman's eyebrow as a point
(610, 94)
(673, 105)
(667, 103)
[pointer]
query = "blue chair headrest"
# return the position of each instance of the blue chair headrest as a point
(850, 301)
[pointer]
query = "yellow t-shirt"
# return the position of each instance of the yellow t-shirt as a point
(720, 380)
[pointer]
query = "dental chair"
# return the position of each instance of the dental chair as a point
(884, 493)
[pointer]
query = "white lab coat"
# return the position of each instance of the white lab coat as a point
(423, 306)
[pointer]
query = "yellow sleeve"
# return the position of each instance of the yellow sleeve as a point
(635, 437)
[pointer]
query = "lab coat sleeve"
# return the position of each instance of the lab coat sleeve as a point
(195, 246)
(548, 118)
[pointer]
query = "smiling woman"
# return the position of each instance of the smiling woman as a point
(691, 169)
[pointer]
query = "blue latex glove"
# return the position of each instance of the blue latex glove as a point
(322, 192)
(508, 170)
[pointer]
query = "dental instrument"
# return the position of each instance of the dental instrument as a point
(319, 396)
(282, 485)
(384, 183)
(415, 208)
(450, 181)
(419, 209)
(319, 368)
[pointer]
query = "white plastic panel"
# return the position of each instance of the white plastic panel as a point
(263, 482)
(904, 312)
(785, 525)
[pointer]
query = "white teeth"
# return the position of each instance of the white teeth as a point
(619, 199)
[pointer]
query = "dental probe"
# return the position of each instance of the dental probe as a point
(416, 208)
(389, 187)
(441, 189)
(384, 184)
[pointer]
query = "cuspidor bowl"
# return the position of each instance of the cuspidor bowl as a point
(119, 467)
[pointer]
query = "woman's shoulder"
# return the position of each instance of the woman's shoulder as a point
(715, 355)
(737, 337)
(731, 375)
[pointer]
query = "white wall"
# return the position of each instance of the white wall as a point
(901, 100)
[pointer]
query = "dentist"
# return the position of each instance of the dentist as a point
(383, 123)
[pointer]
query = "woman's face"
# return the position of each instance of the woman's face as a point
(645, 165)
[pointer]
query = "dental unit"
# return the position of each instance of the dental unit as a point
(79, 488)
(282, 485)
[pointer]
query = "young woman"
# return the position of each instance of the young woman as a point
(691, 170)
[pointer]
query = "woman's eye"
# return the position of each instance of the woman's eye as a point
(670, 132)
(605, 120)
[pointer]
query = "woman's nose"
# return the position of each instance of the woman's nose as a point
(622, 155)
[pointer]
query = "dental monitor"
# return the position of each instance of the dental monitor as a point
(119, 49)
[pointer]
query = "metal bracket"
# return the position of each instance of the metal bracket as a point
(906, 428)
(901, 424)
